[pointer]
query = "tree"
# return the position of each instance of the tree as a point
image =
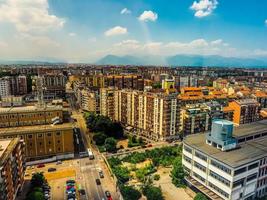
(200, 196)
(114, 162)
(122, 174)
(153, 193)
(110, 144)
(36, 194)
(130, 193)
(99, 138)
(178, 173)
(37, 180)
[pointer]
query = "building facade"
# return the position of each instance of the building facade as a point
(12, 167)
(227, 164)
(43, 141)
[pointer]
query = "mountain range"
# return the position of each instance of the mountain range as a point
(183, 60)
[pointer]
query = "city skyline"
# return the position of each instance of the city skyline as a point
(85, 31)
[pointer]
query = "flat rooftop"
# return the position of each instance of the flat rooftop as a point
(250, 129)
(248, 152)
(29, 109)
(3, 146)
(34, 129)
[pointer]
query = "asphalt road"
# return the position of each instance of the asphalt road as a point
(90, 168)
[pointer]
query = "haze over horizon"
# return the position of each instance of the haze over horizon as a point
(86, 31)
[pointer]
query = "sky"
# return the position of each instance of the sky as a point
(86, 30)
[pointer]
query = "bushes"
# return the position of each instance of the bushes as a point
(37, 182)
(134, 142)
(110, 144)
(135, 157)
(99, 138)
(153, 193)
(130, 193)
(143, 172)
(122, 174)
(177, 173)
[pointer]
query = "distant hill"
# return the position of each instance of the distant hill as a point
(183, 60)
(42, 61)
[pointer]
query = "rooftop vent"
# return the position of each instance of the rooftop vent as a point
(221, 135)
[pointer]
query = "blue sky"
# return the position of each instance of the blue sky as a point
(86, 30)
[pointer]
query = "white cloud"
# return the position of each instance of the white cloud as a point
(125, 11)
(265, 22)
(260, 52)
(117, 30)
(29, 16)
(72, 34)
(148, 15)
(133, 44)
(217, 42)
(204, 8)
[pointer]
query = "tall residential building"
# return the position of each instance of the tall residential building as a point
(12, 167)
(5, 89)
(228, 163)
(107, 102)
(21, 85)
(245, 111)
(90, 100)
(153, 115)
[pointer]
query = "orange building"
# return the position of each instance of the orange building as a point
(245, 110)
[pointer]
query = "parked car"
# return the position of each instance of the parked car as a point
(98, 182)
(51, 169)
(59, 162)
(40, 165)
(149, 145)
(101, 174)
(82, 192)
(70, 181)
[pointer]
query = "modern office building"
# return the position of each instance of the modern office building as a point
(43, 141)
(228, 163)
(12, 167)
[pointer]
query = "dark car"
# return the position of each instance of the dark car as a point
(51, 169)
(70, 181)
(101, 174)
(82, 192)
(107, 193)
(40, 165)
(98, 181)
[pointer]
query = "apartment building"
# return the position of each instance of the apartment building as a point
(10, 101)
(29, 115)
(228, 163)
(12, 167)
(152, 115)
(5, 89)
(90, 100)
(245, 110)
(107, 102)
(43, 141)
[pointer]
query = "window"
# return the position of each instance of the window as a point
(199, 166)
(58, 141)
(40, 135)
(199, 177)
(29, 136)
(255, 165)
(58, 133)
(58, 149)
(238, 182)
(186, 148)
(219, 178)
(220, 166)
(187, 159)
(219, 190)
(252, 177)
(201, 156)
(49, 134)
(240, 171)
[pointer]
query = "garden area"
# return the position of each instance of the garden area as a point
(138, 173)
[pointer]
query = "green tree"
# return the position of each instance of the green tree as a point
(99, 138)
(37, 180)
(178, 173)
(36, 194)
(122, 174)
(130, 193)
(110, 144)
(153, 193)
(114, 162)
(200, 196)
